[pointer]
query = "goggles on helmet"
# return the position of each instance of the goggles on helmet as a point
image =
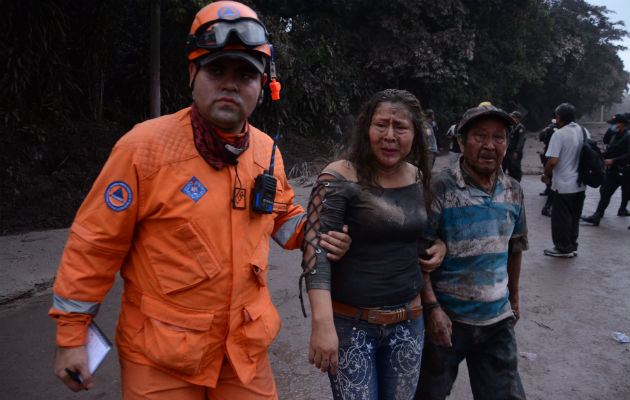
(217, 34)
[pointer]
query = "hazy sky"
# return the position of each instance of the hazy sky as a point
(622, 13)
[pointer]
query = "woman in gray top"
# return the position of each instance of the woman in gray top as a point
(367, 326)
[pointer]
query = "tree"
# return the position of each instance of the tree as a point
(584, 68)
(154, 90)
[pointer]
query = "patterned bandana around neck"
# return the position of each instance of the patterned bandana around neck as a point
(211, 146)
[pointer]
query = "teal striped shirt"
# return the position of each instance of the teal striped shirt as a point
(479, 229)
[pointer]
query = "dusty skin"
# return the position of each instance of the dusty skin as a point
(568, 309)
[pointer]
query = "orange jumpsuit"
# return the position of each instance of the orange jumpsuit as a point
(194, 268)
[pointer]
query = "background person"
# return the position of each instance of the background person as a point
(616, 159)
(451, 136)
(431, 135)
(563, 158)
(545, 136)
(171, 210)
(514, 155)
(471, 301)
(367, 326)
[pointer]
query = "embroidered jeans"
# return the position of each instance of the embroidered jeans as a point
(377, 362)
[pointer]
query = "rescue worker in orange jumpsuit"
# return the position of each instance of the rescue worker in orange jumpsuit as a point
(172, 212)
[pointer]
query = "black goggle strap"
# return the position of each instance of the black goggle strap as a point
(312, 234)
(192, 83)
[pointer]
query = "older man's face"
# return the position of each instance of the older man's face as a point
(485, 145)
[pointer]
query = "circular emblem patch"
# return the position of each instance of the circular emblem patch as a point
(118, 196)
(228, 12)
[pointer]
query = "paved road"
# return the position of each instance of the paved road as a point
(569, 308)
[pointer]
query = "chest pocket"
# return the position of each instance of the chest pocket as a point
(180, 258)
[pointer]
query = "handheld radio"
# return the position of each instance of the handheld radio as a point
(264, 192)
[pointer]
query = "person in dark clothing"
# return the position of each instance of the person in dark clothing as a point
(608, 135)
(431, 131)
(545, 136)
(616, 159)
(451, 136)
(514, 155)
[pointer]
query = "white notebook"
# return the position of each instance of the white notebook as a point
(97, 346)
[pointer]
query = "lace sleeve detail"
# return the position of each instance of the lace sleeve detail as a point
(325, 212)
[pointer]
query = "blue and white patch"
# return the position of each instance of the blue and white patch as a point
(229, 12)
(118, 196)
(194, 189)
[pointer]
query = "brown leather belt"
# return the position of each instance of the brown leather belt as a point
(379, 316)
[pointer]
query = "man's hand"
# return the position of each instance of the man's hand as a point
(336, 244)
(608, 162)
(514, 304)
(76, 360)
(439, 327)
(515, 156)
(436, 253)
(324, 347)
(545, 179)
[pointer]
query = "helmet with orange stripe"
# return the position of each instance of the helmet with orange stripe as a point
(228, 28)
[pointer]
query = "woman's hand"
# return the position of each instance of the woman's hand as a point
(336, 244)
(436, 253)
(324, 347)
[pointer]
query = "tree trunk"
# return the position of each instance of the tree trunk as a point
(154, 67)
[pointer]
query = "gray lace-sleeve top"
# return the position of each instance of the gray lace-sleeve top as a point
(388, 226)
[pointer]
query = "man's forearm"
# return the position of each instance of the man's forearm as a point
(427, 294)
(514, 272)
(551, 164)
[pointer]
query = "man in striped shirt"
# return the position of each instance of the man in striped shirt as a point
(471, 300)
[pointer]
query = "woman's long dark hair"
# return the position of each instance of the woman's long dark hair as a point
(360, 151)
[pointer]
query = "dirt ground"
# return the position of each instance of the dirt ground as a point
(569, 308)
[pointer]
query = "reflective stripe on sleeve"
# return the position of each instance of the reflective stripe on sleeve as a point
(287, 230)
(75, 306)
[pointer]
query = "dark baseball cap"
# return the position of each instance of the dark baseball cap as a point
(254, 58)
(473, 114)
(618, 119)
